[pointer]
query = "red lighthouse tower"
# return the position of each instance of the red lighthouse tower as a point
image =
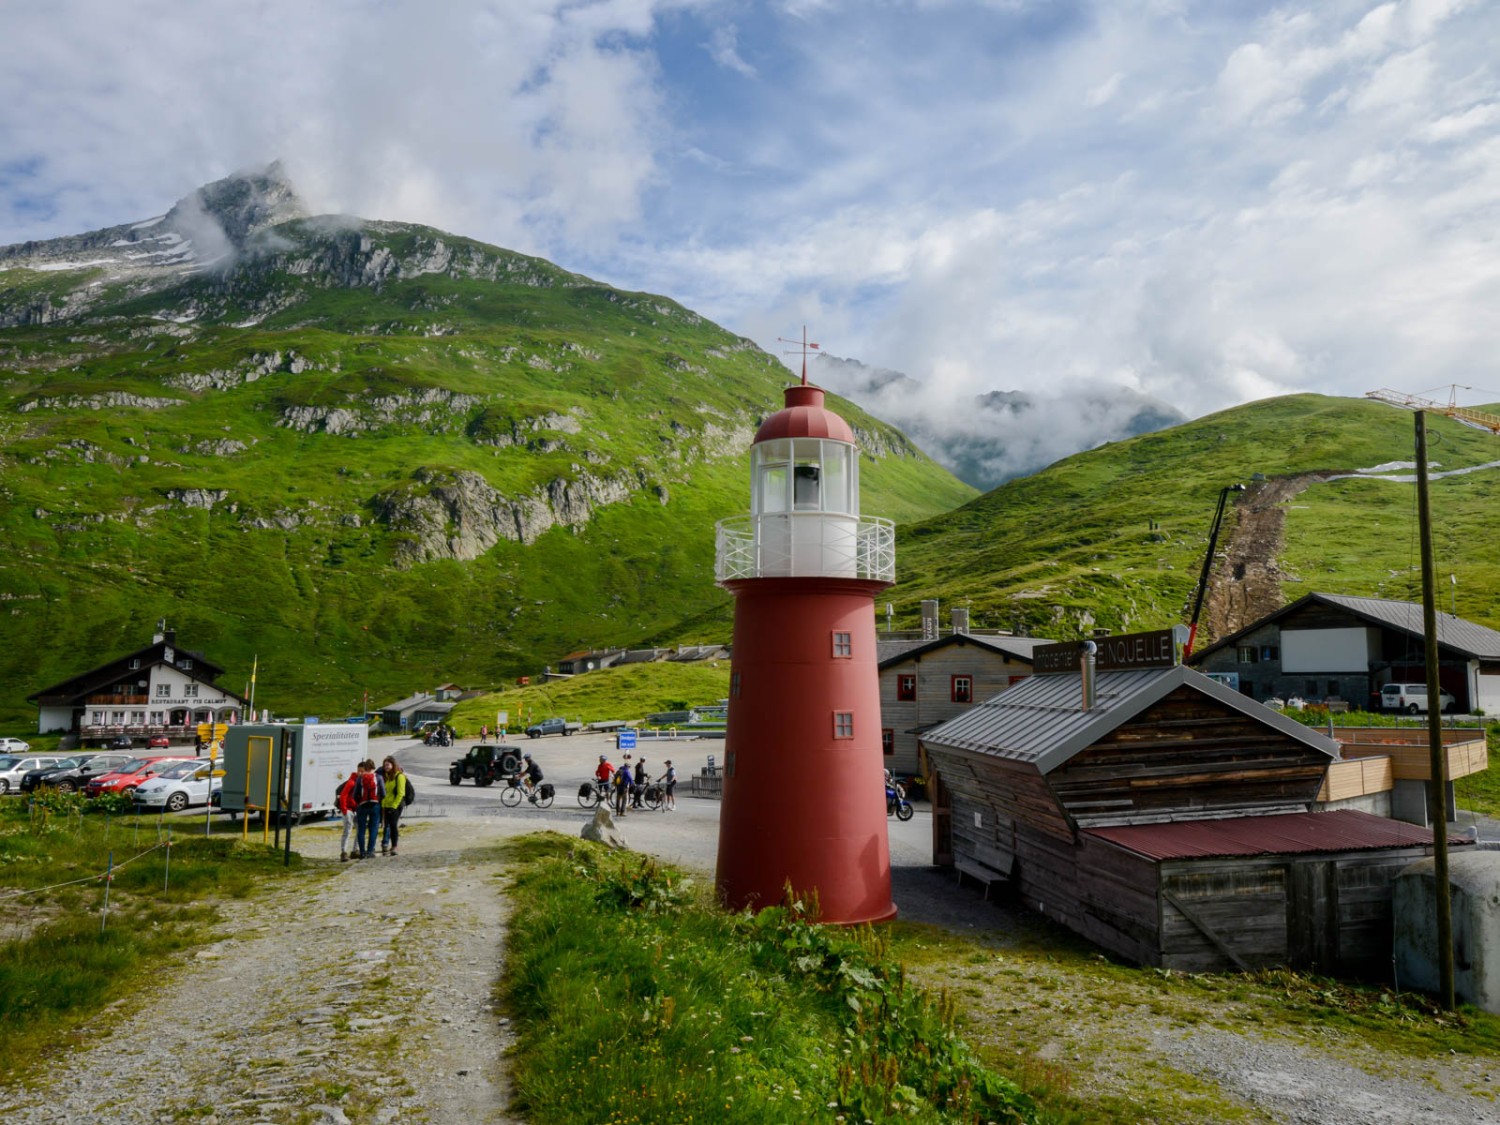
(804, 785)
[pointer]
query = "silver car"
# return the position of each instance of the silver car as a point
(13, 767)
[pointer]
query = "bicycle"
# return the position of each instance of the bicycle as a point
(592, 794)
(510, 796)
(653, 796)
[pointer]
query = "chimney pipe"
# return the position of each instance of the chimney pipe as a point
(929, 619)
(1086, 674)
(961, 620)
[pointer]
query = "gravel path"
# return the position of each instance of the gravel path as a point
(376, 978)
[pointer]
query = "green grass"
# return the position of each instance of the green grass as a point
(627, 692)
(1114, 537)
(297, 564)
(58, 967)
(636, 1000)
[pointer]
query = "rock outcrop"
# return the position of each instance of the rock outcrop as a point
(457, 514)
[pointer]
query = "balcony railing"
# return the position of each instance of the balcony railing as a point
(117, 700)
(805, 545)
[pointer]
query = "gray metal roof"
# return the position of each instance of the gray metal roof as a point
(1466, 637)
(892, 652)
(409, 702)
(1453, 632)
(1040, 720)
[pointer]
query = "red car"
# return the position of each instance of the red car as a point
(158, 742)
(128, 776)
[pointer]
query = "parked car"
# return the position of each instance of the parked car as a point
(552, 726)
(128, 776)
(66, 778)
(32, 778)
(177, 786)
(121, 742)
(158, 742)
(13, 746)
(13, 767)
(1412, 698)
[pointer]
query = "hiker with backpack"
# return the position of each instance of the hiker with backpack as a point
(369, 788)
(624, 780)
(393, 803)
(343, 800)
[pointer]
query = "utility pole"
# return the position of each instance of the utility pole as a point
(1438, 798)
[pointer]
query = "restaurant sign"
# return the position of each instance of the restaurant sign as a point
(1125, 653)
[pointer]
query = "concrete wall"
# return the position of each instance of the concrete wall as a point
(1474, 879)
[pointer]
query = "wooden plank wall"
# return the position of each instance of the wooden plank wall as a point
(1330, 911)
(1187, 753)
(1118, 906)
(1242, 901)
(1412, 760)
(1357, 777)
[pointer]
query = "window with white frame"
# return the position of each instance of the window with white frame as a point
(843, 644)
(190, 691)
(163, 691)
(843, 724)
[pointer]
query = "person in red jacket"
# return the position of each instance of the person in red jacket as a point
(343, 800)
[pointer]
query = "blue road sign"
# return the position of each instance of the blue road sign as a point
(625, 740)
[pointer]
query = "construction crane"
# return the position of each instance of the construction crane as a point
(1208, 566)
(1437, 758)
(1476, 418)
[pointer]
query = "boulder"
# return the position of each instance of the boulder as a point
(602, 830)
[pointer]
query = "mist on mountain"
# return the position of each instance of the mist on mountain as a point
(988, 439)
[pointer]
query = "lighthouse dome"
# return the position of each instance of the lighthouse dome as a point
(804, 416)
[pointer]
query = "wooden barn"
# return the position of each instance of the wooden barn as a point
(1165, 817)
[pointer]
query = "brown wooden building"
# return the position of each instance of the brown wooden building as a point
(1169, 822)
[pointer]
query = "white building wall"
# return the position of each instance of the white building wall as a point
(54, 718)
(1321, 651)
(1487, 693)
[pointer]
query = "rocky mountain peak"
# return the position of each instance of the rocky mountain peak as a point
(241, 204)
(205, 230)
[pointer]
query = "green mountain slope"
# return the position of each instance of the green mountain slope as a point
(1114, 537)
(377, 455)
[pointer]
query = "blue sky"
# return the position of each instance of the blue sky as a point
(1206, 203)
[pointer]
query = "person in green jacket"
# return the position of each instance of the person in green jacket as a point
(391, 805)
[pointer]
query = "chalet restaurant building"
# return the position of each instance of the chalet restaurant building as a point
(1165, 817)
(159, 689)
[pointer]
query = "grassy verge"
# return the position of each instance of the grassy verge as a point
(638, 1001)
(62, 959)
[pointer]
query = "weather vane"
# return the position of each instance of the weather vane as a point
(803, 346)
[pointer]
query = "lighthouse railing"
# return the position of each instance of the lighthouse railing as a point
(805, 545)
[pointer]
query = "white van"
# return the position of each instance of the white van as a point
(1412, 698)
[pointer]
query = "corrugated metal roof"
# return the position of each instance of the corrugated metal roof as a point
(1041, 720)
(1285, 834)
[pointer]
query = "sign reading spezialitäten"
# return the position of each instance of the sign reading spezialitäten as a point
(1124, 653)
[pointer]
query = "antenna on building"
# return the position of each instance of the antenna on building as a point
(803, 346)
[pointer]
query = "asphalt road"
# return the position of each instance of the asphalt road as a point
(688, 837)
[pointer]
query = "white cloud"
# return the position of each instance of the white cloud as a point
(723, 48)
(1202, 203)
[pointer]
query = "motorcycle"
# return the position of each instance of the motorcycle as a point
(896, 802)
